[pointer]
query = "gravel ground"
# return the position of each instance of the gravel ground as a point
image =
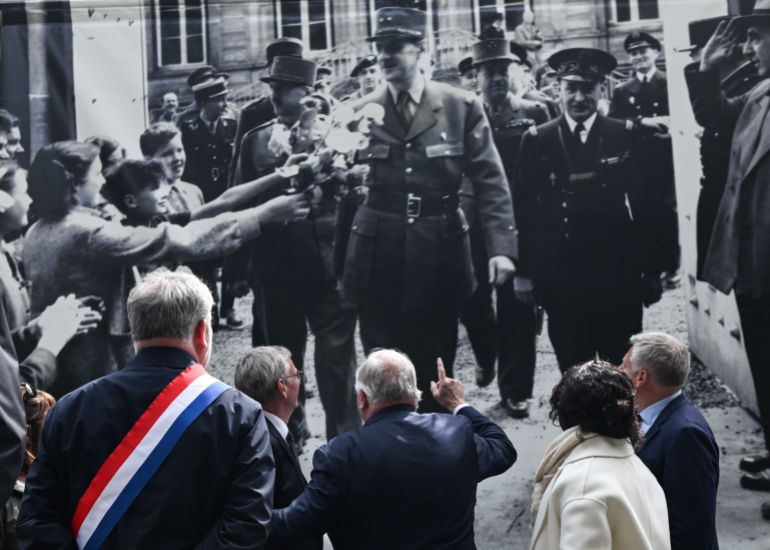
(502, 510)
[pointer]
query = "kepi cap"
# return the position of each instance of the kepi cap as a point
(582, 64)
(294, 70)
(493, 49)
(641, 40)
(397, 22)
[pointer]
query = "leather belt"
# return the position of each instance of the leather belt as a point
(411, 205)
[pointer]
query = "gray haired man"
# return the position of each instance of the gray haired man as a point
(405, 469)
(679, 447)
(175, 458)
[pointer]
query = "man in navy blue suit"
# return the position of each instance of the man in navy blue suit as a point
(404, 480)
(679, 448)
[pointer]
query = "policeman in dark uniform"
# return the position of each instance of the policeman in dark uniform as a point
(291, 271)
(208, 144)
(408, 261)
(261, 110)
(584, 219)
(643, 99)
(737, 78)
(512, 335)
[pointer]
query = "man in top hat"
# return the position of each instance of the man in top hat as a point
(738, 257)
(468, 80)
(512, 333)
(261, 110)
(643, 99)
(291, 270)
(408, 263)
(368, 75)
(584, 222)
(737, 76)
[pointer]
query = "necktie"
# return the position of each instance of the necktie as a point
(579, 132)
(402, 108)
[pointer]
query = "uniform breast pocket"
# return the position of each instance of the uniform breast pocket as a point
(375, 152)
(446, 162)
(446, 149)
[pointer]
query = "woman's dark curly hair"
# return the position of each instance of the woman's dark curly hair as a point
(598, 398)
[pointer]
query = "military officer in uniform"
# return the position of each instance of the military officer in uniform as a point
(208, 144)
(584, 219)
(643, 99)
(408, 261)
(512, 335)
(368, 75)
(291, 270)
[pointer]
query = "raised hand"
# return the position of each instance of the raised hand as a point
(447, 392)
(721, 45)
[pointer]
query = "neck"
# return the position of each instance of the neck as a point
(378, 406)
(184, 345)
(653, 395)
(281, 410)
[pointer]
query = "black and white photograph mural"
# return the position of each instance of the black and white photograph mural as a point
(444, 273)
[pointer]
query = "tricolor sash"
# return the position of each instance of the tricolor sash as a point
(141, 452)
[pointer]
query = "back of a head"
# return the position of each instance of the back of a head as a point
(258, 372)
(388, 376)
(598, 398)
(131, 177)
(168, 304)
(666, 358)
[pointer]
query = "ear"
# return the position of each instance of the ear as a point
(200, 341)
(282, 388)
(641, 378)
(129, 200)
(362, 401)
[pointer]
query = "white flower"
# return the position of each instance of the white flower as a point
(280, 142)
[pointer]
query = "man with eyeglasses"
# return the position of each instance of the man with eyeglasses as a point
(407, 262)
(268, 375)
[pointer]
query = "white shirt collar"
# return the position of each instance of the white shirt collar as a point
(649, 74)
(277, 423)
(415, 90)
(588, 123)
(651, 412)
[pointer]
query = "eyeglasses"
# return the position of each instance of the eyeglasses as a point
(299, 374)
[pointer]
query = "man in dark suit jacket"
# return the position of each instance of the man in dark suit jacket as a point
(404, 480)
(679, 447)
(213, 489)
(585, 223)
(268, 375)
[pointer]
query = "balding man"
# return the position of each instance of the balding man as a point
(679, 448)
(404, 480)
(159, 454)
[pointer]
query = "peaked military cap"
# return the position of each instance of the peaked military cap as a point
(398, 22)
(465, 65)
(364, 63)
(212, 87)
(294, 70)
(204, 73)
(582, 64)
(641, 40)
(493, 49)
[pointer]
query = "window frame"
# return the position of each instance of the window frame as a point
(500, 8)
(182, 4)
(304, 11)
(634, 18)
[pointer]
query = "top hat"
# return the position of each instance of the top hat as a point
(761, 11)
(213, 87)
(701, 30)
(582, 64)
(364, 63)
(396, 22)
(204, 73)
(294, 70)
(641, 40)
(493, 49)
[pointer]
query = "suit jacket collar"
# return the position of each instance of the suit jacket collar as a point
(284, 446)
(664, 415)
(175, 358)
(396, 411)
(760, 106)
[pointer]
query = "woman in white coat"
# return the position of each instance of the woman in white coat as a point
(591, 490)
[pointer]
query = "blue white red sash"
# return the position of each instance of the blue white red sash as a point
(141, 452)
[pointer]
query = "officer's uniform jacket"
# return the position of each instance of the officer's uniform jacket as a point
(415, 261)
(208, 154)
(297, 254)
(632, 101)
(583, 222)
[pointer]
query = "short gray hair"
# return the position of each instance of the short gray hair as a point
(386, 376)
(168, 304)
(260, 369)
(667, 359)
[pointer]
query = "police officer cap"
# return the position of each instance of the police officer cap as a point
(465, 65)
(701, 30)
(204, 73)
(641, 40)
(213, 87)
(364, 63)
(291, 69)
(582, 64)
(493, 49)
(399, 22)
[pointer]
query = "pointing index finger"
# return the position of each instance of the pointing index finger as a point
(441, 370)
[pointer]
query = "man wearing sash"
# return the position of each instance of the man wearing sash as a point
(585, 229)
(159, 454)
